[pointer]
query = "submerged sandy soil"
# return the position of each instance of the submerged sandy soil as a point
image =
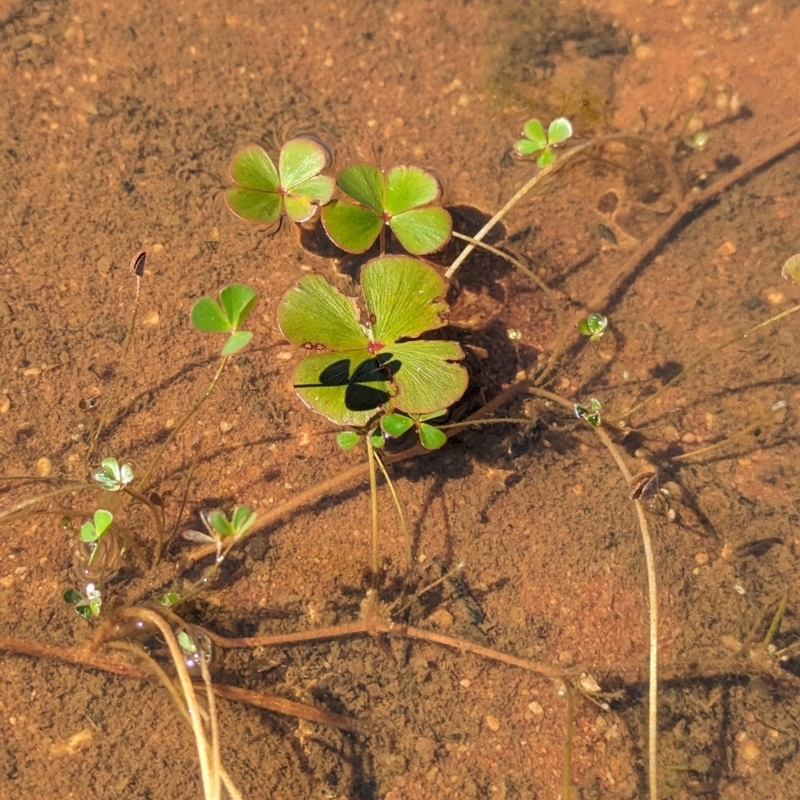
(118, 122)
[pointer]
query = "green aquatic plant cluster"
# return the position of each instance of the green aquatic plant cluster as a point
(101, 542)
(404, 200)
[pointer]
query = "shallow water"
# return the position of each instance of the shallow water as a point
(118, 124)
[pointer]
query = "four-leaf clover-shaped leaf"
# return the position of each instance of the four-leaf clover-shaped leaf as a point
(235, 303)
(111, 476)
(296, 186)
(537, 140)
(400, 199)
(366, 358)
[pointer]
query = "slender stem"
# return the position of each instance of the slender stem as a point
(373, 490)
(158, 518)
(702, 360)
(399, 507)
(189, 414)
(107, 406)
(776, 621)
(710, 448)
(559, 345)
(566, 778)
(146, 614)
(20, 509)
(544, 171)
(214, 723)
(652, 593)
(349, 477)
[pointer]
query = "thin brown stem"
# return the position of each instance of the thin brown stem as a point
(551, 297)
(177, 429)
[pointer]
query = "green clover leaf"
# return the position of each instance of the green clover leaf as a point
(236, 303)
(365, 357)
(401, 199)
(537, 141)
(296, 187)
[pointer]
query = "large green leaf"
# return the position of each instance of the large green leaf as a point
(403, 296)
(409, 187)
(365, 183)
(301, 159)
(254, 206)
(346, 387)
(426, 375)
(422, 230)
(314, 314)
(351, 227)
(252, 168)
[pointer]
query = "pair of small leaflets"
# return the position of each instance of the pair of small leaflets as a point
(403, 199)
(235, 304)
(296, 188)
(590, 414)
(92, 531)
(536, 140)
(365, 358)
(396, 425)
(430, 437)
(593, 326)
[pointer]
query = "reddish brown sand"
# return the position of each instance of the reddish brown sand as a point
(118, 121)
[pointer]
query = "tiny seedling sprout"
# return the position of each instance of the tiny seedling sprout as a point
(111, 476)
(86, 604)
(235, 303)
(591, 414)
(593, 326)
(404, 199)
(537, 141)
(262, 192)
(221, 530)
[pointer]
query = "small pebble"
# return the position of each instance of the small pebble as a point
(6, 582)
(151, 319)
(225, 426)
(492, 723)
(726, 249)
(157, 248)
(535, 708)
(749, 750)
(5, 404)
(44, 467)
(644, 52)
(774, 297)
(441, 618)
(465, 682)
(701, 558)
